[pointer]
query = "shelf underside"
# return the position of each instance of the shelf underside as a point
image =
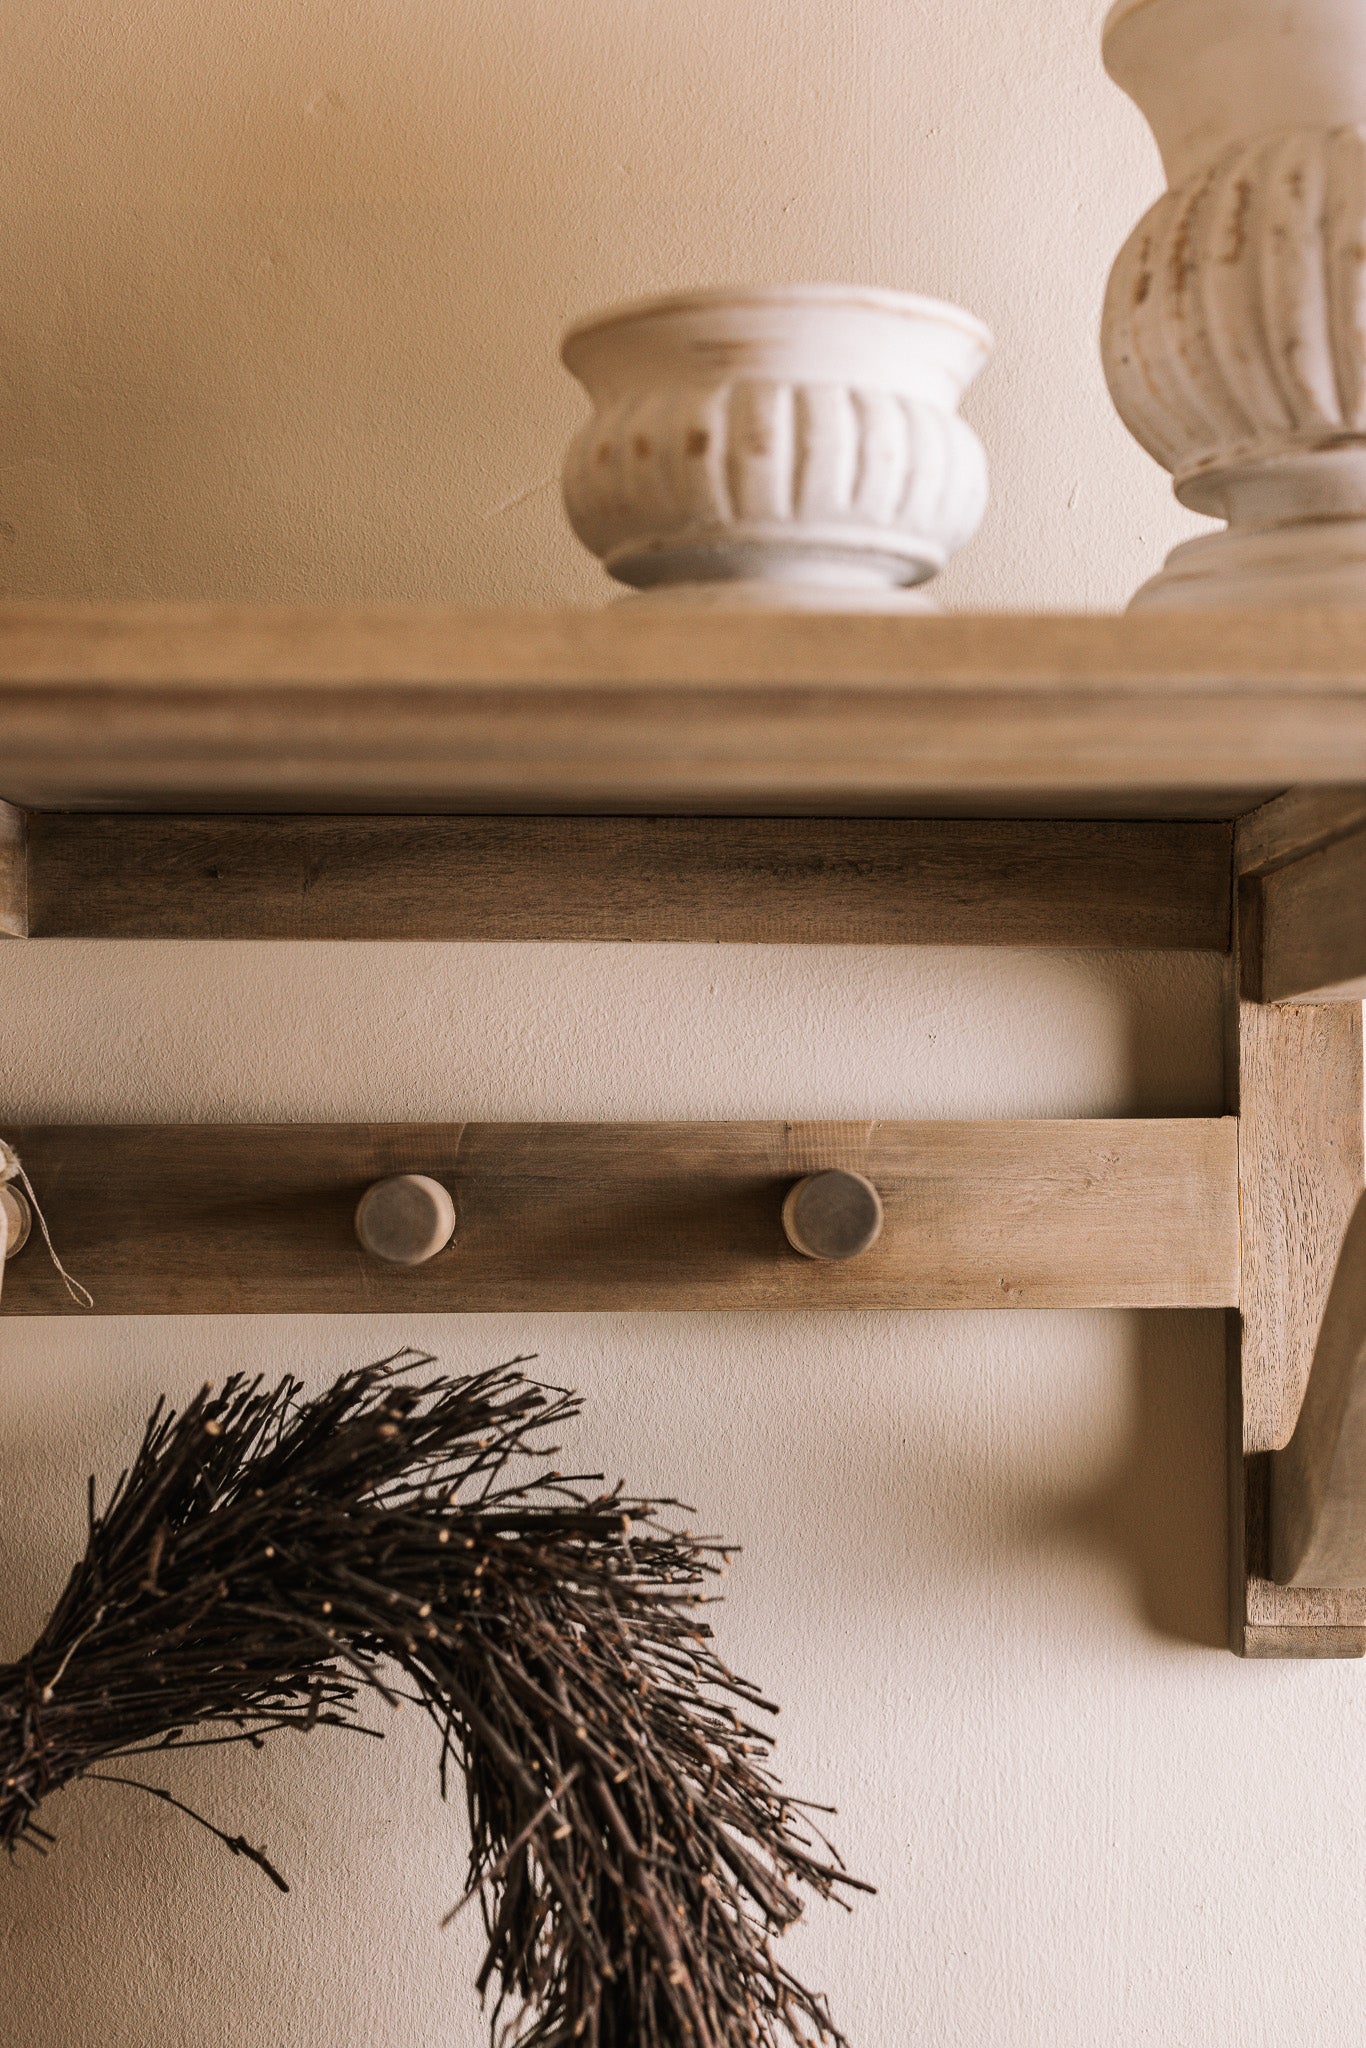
(741, 880)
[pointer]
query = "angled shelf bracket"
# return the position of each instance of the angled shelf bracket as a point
(1296, 1023)
(1317, 1483)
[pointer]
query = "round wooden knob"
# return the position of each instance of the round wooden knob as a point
(406, 1219)
(832, 1215)
(19, 1218)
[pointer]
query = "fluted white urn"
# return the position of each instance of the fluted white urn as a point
(1234, 334)
(789, 447)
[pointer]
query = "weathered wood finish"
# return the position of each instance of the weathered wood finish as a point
(826, 882)
(1318, 1482)
(231, 1219)
(1269, 1620)
(197, 647)
(1289, 1621)
(1295, 823)
(1296, 1079)
(833, 1214)
(1313, 920)
(13, 873)
(182, 707)
(1300, 1174)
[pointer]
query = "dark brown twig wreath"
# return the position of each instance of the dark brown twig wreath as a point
(269, 1559)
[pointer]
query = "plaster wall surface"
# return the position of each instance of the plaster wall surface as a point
(279, 315)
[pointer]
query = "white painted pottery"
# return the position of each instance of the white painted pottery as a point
(798, 447)
(1234, 334)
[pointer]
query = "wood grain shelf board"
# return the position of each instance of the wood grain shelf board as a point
(258, 1219)
(636, 710)
(810, 880)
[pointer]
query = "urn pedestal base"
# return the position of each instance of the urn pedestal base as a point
(1296, 536)
(772, 593)
(1278, 568)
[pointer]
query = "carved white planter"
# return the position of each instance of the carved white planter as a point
(1234, 334)
(791, 447)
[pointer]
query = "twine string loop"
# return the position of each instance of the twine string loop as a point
(12, 1169)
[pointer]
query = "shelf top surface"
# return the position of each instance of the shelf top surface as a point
(642, 708)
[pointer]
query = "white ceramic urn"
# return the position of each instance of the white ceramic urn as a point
(1234, 334)
(793, 447)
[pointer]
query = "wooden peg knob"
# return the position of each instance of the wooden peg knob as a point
(832, 1215)
(406, 1219)
(19, 1218)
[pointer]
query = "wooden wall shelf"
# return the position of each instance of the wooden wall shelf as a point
(185, 707)
(1182, 781)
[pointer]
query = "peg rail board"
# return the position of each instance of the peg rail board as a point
(224, 1219)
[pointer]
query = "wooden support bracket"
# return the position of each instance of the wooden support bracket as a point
(260, 1219)
(1318, 1482)
(1297, 1074)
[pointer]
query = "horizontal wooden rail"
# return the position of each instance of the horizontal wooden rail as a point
(823, 881)
(258, 1218)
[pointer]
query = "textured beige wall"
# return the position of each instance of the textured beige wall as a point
(283, 283)
(280, 300)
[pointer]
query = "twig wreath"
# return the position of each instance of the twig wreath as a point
(268, 1560)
